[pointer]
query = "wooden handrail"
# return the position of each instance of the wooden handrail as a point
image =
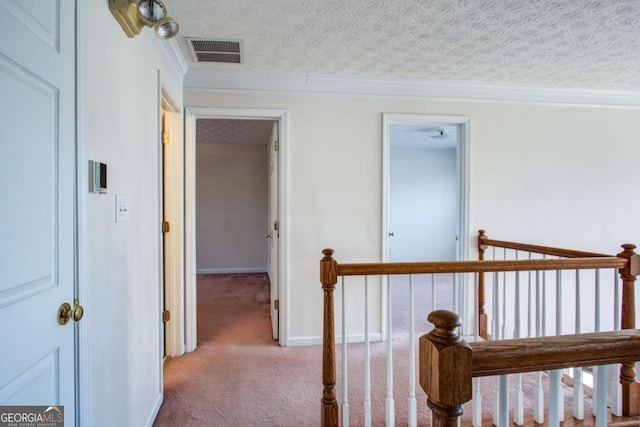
(544, 250)
(370, 269)
(556, 352)
(448, 363)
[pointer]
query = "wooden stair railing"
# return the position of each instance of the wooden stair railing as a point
(627, 262)
(448, 363)
(628, 273)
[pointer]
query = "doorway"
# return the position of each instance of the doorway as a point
(252, 239)
(425, 204)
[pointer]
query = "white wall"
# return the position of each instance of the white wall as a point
(550, 174)
(231, 207)
(122, 259)
(423, 210)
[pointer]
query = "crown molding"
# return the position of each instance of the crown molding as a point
(171, 54)
(307, 83)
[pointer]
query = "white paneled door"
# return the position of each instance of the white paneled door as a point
(37, 186)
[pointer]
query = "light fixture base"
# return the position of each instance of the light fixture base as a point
(126, 13)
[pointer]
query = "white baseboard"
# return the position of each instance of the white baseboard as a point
(230, 270)
(154, 411)
(301, 341)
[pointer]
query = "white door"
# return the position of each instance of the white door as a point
(274, 233)
(37, 184)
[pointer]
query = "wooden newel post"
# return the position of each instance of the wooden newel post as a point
(445, 369)
(482, 316)
(328, 278)
(630, 387)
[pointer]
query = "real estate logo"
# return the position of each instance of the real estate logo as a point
(31, 416)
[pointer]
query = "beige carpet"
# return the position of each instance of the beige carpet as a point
(239, 376)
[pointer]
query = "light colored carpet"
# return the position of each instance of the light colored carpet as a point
(239, 376)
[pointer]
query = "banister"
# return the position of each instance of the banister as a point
(556, 352)
(363, 269)
(447, 366)
(546, 250)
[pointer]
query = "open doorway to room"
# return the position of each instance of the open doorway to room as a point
(425, 210)
(272, 237)
(237, 221)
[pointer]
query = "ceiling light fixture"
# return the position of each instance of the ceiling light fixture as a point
(133, 15)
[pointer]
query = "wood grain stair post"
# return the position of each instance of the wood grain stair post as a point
(630, 387)
(482, 315)
(445, 369)
(328, 278)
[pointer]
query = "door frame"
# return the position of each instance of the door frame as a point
(462, 163)
(171, 208)
(191, 115)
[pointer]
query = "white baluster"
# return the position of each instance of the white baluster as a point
(390, 406)
(433, 292)
(555, 397)
(413, 405)
(503, 335)
(598, 327)
(496, 336)
(345, 382)
(530, 304)
(538, 397)
(503, 418)
(578, 389)
(454, 303)
(476, 403)
(367, 357)
(559, 332)
(601, 393)
(518, 404)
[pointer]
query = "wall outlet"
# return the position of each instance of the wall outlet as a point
(122, 208)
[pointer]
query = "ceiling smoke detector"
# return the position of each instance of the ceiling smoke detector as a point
(437, 133)
(216, 50)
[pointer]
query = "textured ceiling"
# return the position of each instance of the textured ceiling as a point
(232, 131)
(567, 43)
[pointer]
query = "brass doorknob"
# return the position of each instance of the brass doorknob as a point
(269, 235)
(66, 313)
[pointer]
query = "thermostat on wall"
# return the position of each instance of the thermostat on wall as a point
(97, 177)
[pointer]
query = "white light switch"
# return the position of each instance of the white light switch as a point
(122, 208)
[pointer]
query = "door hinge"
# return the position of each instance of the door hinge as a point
(166, 316)
(165, 137)
(276, 145)
(276, 304)
(165, 226)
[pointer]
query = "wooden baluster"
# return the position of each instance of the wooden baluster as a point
(445, 369)
(482, 315)
(328, 278)
(630, 387)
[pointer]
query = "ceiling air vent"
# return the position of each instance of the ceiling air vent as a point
(216, 50)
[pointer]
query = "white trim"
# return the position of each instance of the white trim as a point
(170, 52)
(230, 270)
(189, 236)
(154, 411)
(462, 164)
(173, 211)
(83, 333)
(283, 209)
(309, 83)
(317, 340)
